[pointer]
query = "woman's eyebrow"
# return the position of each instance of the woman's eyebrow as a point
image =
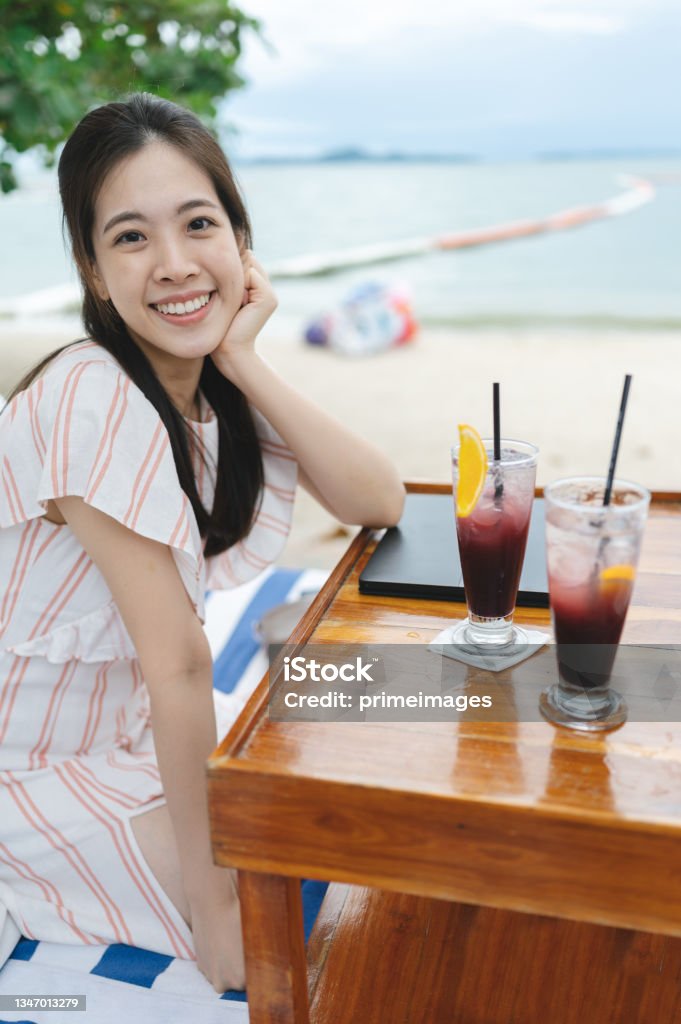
(135, 215)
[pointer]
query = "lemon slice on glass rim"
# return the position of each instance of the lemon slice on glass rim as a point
(472, 470)
(617, 573)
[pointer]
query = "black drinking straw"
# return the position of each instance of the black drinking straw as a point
(498, 482)
(497, 429)
(616, 442)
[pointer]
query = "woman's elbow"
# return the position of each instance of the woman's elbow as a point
(397, 505)
(391, 506)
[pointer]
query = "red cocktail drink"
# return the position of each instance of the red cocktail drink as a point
(492, 538)
(588, 620)
(591, 552)
(492, 541)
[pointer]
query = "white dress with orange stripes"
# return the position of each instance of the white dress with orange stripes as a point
(77, 761)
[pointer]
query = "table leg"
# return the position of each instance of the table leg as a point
(274, 943)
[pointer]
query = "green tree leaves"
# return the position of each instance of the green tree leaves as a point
(60, 58)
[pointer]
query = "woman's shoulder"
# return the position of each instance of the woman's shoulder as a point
(81, 406)
(84, 357)
(82, 380)
(81, 354)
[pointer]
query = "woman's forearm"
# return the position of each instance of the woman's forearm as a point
(357, 481)
(183, 724)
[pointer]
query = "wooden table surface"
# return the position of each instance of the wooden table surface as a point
(517, 816)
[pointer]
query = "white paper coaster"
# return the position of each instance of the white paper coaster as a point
(533, 640)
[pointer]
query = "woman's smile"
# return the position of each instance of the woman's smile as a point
(183, 314)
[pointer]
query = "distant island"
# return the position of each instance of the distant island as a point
(355, 154)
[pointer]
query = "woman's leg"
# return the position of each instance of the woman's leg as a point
(154, 833)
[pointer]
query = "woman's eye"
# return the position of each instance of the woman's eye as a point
(203, 221)
(128, 234)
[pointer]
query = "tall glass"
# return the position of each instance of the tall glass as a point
(592, 552)
(492, 540)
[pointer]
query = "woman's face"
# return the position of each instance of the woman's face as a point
(161, 236)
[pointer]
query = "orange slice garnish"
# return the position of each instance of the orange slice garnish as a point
(472, 470)
(617, 572)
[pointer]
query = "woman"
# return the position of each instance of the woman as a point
(154, 458)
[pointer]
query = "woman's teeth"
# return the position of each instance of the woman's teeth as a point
(184, 307)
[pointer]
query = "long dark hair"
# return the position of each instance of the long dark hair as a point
(104, 137)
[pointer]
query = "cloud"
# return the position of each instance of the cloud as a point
(283, 126)
(582, 22)
(356, 22)
(308, 36)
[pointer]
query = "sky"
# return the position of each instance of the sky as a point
(490, 78)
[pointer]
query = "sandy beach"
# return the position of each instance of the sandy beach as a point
(560, 389)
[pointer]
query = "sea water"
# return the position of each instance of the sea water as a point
(615, 272)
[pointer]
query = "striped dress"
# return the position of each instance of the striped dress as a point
(77, 761)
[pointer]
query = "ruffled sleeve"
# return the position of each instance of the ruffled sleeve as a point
(266, 539)
(86, 429)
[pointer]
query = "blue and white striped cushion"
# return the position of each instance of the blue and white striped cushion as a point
(123, 982)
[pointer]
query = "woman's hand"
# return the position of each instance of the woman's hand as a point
(216, 927)
(259, 302)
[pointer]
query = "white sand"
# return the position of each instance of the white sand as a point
(560, 389)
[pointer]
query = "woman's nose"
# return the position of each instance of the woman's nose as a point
(174, 260)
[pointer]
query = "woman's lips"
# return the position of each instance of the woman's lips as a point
(186, 319)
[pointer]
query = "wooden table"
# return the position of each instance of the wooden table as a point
(489, 873)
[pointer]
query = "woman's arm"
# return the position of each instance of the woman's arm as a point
(356, 481)
(177, 666)
(350, 476)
